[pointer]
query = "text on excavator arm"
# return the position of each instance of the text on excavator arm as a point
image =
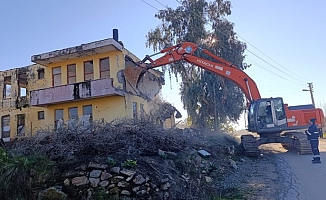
(185, 52)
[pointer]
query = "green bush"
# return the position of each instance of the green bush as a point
(3, 156)
(234, 194)
(17, 174)
(129, 163)
(100, 194)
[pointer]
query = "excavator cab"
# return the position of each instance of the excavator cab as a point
(266, 115)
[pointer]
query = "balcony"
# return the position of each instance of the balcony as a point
(74, 92)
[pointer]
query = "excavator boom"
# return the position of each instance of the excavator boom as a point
(185, 52)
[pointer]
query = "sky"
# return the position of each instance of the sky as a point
(286, 43)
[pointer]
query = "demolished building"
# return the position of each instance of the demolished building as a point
(80, 84)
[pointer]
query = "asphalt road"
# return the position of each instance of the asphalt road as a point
(301, 179)
(298, 178)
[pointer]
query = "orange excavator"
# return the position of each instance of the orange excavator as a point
(270, 118)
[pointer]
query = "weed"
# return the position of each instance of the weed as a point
(163, 156)
(111, 161)
(100, 194)
(3, 156)
(212, 166)
(129, 163)
(233, 193)
(18, 173)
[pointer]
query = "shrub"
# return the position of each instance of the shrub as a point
(129, 163)
(18, 172)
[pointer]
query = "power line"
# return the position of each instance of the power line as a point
(242, 39)
(160, 3)
(280, 89)
(150, 5)
(258, 65)
(274, 66)
(268, 56)
(286, 86)
(251, 51)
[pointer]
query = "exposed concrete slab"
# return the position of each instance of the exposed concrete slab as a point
(92, 48)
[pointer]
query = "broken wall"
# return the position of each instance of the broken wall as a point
(16, 115)
(148, 86)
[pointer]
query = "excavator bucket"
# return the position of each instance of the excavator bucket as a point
(133, 74)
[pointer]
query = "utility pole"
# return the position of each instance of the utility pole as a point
(310, 86)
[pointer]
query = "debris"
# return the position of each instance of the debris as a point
(233, 164)
(208, 179)
(185, 178)
(230, 150)
(204, 153)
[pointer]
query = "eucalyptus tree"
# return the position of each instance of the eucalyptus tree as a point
(205, 96)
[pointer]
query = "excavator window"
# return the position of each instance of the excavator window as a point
(251, 117)
(279, 111)
(270, 113)
(264, 116)
(279, 116)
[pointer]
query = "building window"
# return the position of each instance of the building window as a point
(87, 119)
(22, 84)
(88, 70)
(58, 114)
(73, 113)
(56, 76)
(71, 73)
(22, 91)
(87, 110)
(7, 87)
(142, 111)
(134, 110)
(21, 124)
(40, 73)
(105, 68)
(40, 115)
(88, 113)
(73, 117)
(5, 122)
(58, 123)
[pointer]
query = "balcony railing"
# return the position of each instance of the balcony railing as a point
(73, 92)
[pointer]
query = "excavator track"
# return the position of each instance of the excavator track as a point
(304, 145)
(301, 143)
(249, 144)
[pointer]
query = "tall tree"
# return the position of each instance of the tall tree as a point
(205, 95)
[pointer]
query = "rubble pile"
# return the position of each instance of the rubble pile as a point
(133, 161)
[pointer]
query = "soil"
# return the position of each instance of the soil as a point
(277, 174)
(258, 177)
(282, 174)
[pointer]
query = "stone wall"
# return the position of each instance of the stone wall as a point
(115, 181)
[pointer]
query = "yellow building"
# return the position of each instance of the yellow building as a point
(76, 85)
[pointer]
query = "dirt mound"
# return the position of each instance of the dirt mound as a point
(221, 171)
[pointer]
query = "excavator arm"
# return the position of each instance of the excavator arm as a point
(185, 52)
(269, 126)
